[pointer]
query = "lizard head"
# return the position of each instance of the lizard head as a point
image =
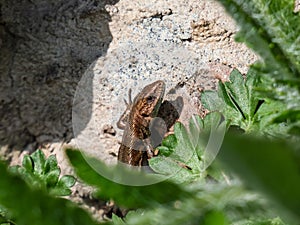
(148, 101)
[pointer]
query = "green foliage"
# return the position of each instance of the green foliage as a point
(43, 173)
(182, 154)
(271, 167)
(239, 102)
(167, 204)
(3, 217)
(210, 204)
(267, 106)
(124, 195)
(272, 30)
(235, 100)
(30, 206)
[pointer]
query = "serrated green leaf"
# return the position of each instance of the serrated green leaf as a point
(211, 138)
(251, 83)
(46, 175)
(273, 32)
(224, 95)
(169, 167)
(237, 92)
(262, 30)
(211, 121)
(181, 132)
(60, 191)
(14, 169)
(247, 110)
(188, 161)
(196, 126)
(164, 165)
(50, 164)
(38, 158)
(230, 200)
(183, 142)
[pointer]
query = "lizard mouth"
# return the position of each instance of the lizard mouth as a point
(160, 89)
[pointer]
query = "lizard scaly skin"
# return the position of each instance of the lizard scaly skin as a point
(136, 147)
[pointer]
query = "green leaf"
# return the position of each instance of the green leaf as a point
(268, 166)
(62, 188)
(288, 116)
(42, 173)
(167, 146)
(244, 107)
(273, 32)
(38, 158)
(67, 181)
(117, 220)
(193, 151)
(170, 141)
(124, 195)
(215, 217)
(27, 163)
(35, 207)
(52, 178)
(211, 100)
(215, 202)
(163, 150)
(50, 164)
(169, 167)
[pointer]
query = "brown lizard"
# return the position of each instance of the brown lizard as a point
(136, 147)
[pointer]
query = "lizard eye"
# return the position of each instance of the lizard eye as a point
(150, 99)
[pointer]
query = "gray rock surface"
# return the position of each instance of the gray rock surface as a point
(45, 48)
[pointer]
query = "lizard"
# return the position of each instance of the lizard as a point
(136, 147)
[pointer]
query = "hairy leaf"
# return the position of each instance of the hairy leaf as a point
(269, 166)
(191, 151)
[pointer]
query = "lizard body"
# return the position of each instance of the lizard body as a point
(136, 147)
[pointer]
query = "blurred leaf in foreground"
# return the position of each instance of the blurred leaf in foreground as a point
(214, 203)
(35, 207)
(124, 195)
(272, 30)
(272, 167)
